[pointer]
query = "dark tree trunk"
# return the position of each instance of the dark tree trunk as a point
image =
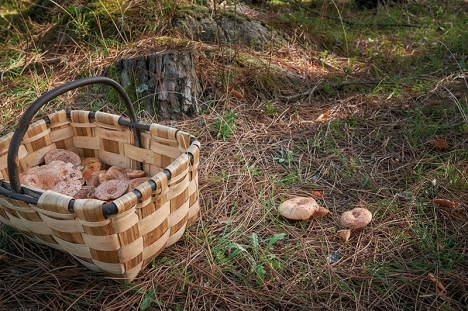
(165, 83)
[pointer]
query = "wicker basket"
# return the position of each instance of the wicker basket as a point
(118, 238)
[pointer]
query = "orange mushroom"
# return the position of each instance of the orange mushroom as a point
(135, 182)
(56, 176)
(111, 189)
(66, 156)
(93, 180)
(85, 192)
(88, 166)
(69, 187)
(135, 173)
(356, 218)
(114, 172)
(298, 208)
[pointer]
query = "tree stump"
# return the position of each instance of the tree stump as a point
(164, 83)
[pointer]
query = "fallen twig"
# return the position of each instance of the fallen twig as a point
(307, 93)
(45, 62)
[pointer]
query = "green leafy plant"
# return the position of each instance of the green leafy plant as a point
(224, 78)
(270, 108)
(6, 233)
(225, 125)
(229, 254)
(149, 297)
(219, 177)
(96, 104)
(290, 178)
(91, 302)
(285, 157)
(80, 24)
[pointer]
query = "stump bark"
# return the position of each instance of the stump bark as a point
(164, 83)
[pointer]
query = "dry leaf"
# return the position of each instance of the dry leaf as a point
(412, 89)
(317, 193)
(321, 212)
(326, 39)
(324, 116)
(439, 143)
(344, 234)
(445, 203)
(236, 94)
(440, 289)
(434, 102)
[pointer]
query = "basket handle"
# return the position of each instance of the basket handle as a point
(31, 111)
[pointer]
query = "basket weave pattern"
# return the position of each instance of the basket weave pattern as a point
(119, 245)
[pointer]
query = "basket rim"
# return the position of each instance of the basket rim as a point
(31, 195)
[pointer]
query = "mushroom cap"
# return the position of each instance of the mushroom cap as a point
(88, 166)
(111, 189)
(298, 208)
(69, 187)
(135, 182)
(356, 218)
(135, 173)
(30, 177)
(84, 193)
(66, 156)
(57, 176)
(114, 172)
(93, 180)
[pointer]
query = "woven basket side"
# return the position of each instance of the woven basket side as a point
(4, 146)
(36, 144)
(153, 212)
(24, 218)
(19, 214)
(20, 210)
(5, 143)
(38, 140)
(110, 121)
(183, 140)
(193, 187)
(52, 208)
(61, 132)
(83, 133)
(112, 144)
(119, 245)
(163, 134)
(120, 252)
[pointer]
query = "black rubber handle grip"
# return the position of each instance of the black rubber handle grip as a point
(31, 111)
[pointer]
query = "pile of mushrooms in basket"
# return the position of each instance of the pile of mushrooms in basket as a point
(81, 178)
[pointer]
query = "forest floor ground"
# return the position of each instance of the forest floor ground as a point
(355, 107)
